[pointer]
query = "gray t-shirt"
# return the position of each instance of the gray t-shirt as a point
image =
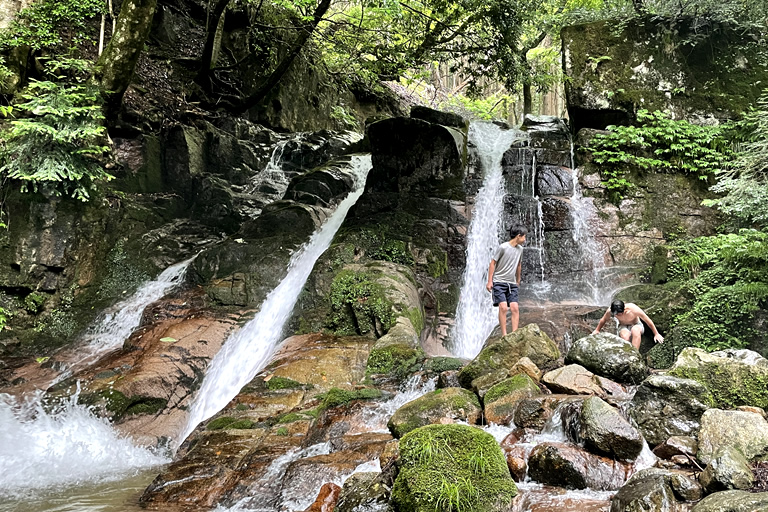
(507, 259)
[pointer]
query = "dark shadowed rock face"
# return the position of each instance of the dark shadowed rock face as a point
(569, 466)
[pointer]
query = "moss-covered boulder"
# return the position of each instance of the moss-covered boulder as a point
(502, 399)
(733, 501)
(666, 406)
(452, 467)
(747, 431)
(498, 353)
(606, 432)
(396, 353)
(440, 406)
(734, 377)
(609, 356)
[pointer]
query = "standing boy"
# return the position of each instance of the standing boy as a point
(504, 276)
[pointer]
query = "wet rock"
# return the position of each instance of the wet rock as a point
(449, 471)
(439, 117)
(447, 405)
(675, 446)
(501, 400)
(485, 382)
(733, 501)
(326, 498)
(567, 465)
(744, 430)
(448, 379)
(734, 377)
(657, 490)
(503, 353)
(727, 469)
(526, 366)
(537, 411)
(572, 379)
(666, 406)
(364, 492)
(554, 181)
(322, 186)
(556, 216)
(609, 356)
(605, 431)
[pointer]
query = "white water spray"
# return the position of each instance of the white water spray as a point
(44, 450)
(475, 317)
(246, 352)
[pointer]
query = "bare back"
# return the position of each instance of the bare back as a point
(630, 315)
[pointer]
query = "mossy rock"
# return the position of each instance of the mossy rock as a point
(397, 353)
(440, 364)
(504, 352)
(734, 377)
(501, 400)
(452, 467)
(449, 404)
(336, 397)
(506, 387)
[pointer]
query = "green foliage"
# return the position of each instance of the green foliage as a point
(657, 144)
(5, 315)
(744, 182)
(495, 106)
(358, 305)
(51, 23)
(725, 278)
(57, 139)
(397, 360)
(34, 301)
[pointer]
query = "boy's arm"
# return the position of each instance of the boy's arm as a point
(645, 318)
(491, 268)
(519, 273)
(602, 321)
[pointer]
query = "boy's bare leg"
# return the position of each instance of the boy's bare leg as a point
(515, 314)
(503, 308)
(625, 334)
(636, 336)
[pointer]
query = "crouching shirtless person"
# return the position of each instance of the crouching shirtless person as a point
(630, 318)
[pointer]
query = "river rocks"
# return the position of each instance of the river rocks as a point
(447, 405)
(572, 379)
(734, 377)
(535, 412)
(727, 469)
(364, 492)
(733, 501)
(569, 466)
(501, 400)
(685, 446)
(744, 430)
(397, 351)
(326, 498)
(498, 353)
(655, 489)
(609, 356)
(441, 464)
(605, 431)
(666, 406)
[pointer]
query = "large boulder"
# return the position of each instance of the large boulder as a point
(501, 400)
(655, 489)
(605, 431)
(447, 405)
(569, 466)
(504, 352)
(452, 467)
(574, 379)
(666, 406)
(747, 431)
(727, 469)
(734, 377)
(733, 501)
(609, 356)
(364, 491)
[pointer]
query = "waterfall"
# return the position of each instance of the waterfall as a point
(44, 448)
(246, 352)
(475, 316)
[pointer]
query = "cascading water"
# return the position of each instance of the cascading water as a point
(42, 450)
(249, 349)
(475, 318)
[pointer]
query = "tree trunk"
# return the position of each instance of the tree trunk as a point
(527, 99)
(114, 70)
(212, 39)
(276, 75)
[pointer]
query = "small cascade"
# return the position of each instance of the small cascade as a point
(249, 349)
(475, 319)
(43, 450)
(375, 418)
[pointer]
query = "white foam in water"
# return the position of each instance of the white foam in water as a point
(249, 349)
(475, 317)
(41, 451)
(376, 418)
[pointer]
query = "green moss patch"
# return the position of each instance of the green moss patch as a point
(336, 397)
(437, 365)
(452, 468)
(220, 423)
(508, 386)
(359, 305)
(397, 360)
(282, 383)
(432, 407)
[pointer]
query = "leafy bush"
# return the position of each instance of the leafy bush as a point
(658, 144)
(56, 141)
(49, 23)
(358, 305)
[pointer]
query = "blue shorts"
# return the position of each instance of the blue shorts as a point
(504, 292)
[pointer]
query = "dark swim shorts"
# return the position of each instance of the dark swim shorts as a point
(504, 292)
